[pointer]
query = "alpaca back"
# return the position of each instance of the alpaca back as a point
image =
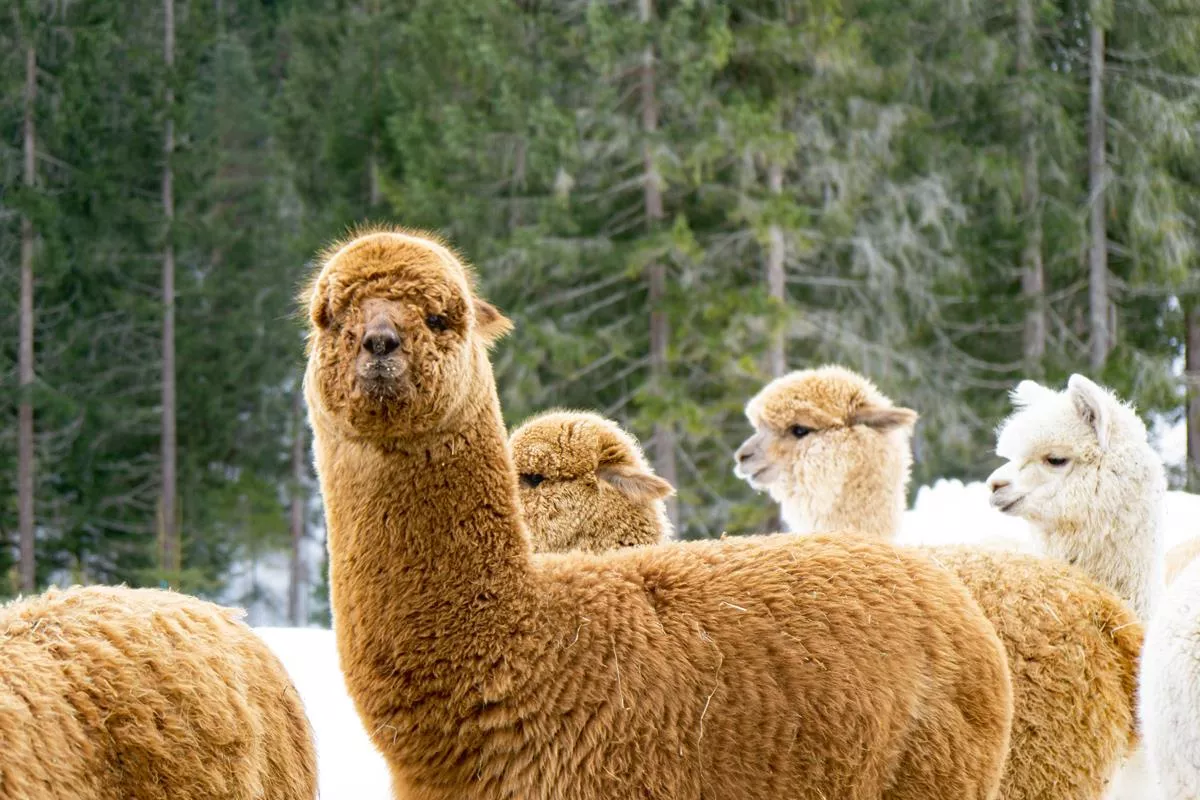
(126, 694)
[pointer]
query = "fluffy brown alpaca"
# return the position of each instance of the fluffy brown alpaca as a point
(1073, 645)
(108, 693)
(758, 668)
(584, 484)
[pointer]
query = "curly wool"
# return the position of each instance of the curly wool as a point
(749, 669)
(585, 484)
(110, 693)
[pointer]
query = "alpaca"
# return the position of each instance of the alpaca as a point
(1178, 558)
(109, 693)
(1081, 470)
(862, 451)
(757, 668)
(1170, 687)
(580, 472)
(1072, 645)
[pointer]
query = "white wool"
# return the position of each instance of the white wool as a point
(1100, 510)
(1170, 687)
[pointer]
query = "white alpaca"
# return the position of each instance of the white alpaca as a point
(1082, 472)
(1169, 704)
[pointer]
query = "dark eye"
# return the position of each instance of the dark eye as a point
(531, 480)
(1055, 461)
(799, 431)
(437, 323)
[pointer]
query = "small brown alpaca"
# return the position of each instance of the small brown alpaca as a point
(109, 693)
(584, 484)
(751, 669)
(829, 443)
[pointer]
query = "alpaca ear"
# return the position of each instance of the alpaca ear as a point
(489, 322)
(1029, 392)
(883, 418)
(314, 299)
(635, 482)
(1092, 404)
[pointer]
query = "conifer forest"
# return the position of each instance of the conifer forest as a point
(674, 200)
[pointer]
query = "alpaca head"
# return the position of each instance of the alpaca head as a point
(1078, 461)
(584, 484)
(821, 436)
(397, 335)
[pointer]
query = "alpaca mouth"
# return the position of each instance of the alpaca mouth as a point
(758, 479)
(1004, 505)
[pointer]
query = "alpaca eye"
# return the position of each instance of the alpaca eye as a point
(531, 480)
(799, 431)
(437, 323)
(1055, 461)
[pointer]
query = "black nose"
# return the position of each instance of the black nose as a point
(380, 339)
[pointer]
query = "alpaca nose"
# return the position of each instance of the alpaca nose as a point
(381, 338)
(996, 484)
(743, 453)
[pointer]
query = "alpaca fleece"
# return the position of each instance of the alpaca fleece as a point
(1170, 687)
(1082, 472)
(109, 693)
(1072, 645)
(760, 668)
(1178, 558)
(584, 483)
(822, 434)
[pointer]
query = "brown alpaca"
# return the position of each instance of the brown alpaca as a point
(1073, 645)
(759, 668)
(584, 484)
(108, 693)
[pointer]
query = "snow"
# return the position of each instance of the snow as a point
(348, 765)
(948, 512)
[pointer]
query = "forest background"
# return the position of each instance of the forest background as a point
(674, 201)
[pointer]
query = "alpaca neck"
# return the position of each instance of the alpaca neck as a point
(1118, 550)
(868, 500)
(429, 568)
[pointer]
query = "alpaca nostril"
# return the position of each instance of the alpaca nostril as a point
(996, 484)
(381, 340)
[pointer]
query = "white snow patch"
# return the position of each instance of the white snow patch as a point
(348, 764)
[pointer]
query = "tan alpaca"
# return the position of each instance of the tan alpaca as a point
(579, 472)
(108, 693)
(1072, 645)
(761, 668)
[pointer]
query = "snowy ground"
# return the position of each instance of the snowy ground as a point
(948, 512)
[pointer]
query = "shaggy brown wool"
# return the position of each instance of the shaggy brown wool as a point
(585, 484)
(109, 693)
(760, 668)
(1073, 646)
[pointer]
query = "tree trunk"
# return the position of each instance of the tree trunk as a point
(25, 459)
(168, 522)
(776, 283)
(297, 583)
(1033, 277)
(656, 273)
(374, 193)
(1101, 339)
(1191, 312)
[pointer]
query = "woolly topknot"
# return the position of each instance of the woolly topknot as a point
(585, 484)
